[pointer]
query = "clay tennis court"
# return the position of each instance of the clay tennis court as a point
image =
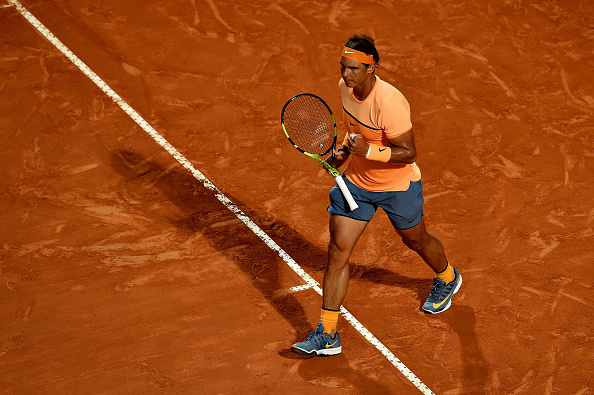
(121, 272)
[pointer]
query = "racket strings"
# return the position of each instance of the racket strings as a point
(309, 124)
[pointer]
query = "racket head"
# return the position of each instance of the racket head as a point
(309, 124)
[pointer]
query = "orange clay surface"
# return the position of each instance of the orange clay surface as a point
(121, 273)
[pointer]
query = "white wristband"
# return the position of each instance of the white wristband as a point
(368, 151)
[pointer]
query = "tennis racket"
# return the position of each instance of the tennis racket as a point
(311, 128)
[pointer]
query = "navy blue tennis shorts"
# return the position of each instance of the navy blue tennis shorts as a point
(404, 208)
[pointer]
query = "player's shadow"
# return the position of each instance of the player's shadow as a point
(475, 371)
(202, 212)
(340, 373)
(199, 211)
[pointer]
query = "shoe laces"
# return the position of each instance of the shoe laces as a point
(317, 332)
(436, 289)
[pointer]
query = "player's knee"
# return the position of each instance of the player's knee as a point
(415, 244)
(335, 248)
(338, 252)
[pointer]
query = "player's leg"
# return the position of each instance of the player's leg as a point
(405, 210)
(447, 280)
(344, 233)
(345, 229)
(325, 340)
(426, 245)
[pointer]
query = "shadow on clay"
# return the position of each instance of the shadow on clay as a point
(339, 374)
(202, 212)
(475, 370)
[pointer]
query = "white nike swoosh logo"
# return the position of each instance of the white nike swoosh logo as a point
(348, 51)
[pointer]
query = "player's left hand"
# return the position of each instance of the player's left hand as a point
(357, 144)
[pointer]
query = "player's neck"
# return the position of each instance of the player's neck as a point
(362, 91)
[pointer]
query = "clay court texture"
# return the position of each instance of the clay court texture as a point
(123, 271)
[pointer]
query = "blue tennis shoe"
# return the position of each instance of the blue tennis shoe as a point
(440, 296)
(318, 343)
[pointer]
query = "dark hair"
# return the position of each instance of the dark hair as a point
(365, 44)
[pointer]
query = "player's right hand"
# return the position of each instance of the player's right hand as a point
(339, 159)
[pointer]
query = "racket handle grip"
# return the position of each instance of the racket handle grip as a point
(346, 193)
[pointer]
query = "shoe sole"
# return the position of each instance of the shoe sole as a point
(449, 301)
(324, 352)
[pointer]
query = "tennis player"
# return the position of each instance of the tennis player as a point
(382, 173)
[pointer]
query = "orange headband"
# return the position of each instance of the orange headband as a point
(357, 55)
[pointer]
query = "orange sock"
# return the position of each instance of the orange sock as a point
(447, 275)
(329, 319)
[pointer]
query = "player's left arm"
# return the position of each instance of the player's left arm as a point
(403, 149)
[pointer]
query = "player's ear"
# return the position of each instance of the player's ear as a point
(372, 67)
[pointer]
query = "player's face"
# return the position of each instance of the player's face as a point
(353, 73)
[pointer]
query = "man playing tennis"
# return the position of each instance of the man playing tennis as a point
(382, 173)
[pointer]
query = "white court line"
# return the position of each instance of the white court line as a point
(300, 288)
(311, 283)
